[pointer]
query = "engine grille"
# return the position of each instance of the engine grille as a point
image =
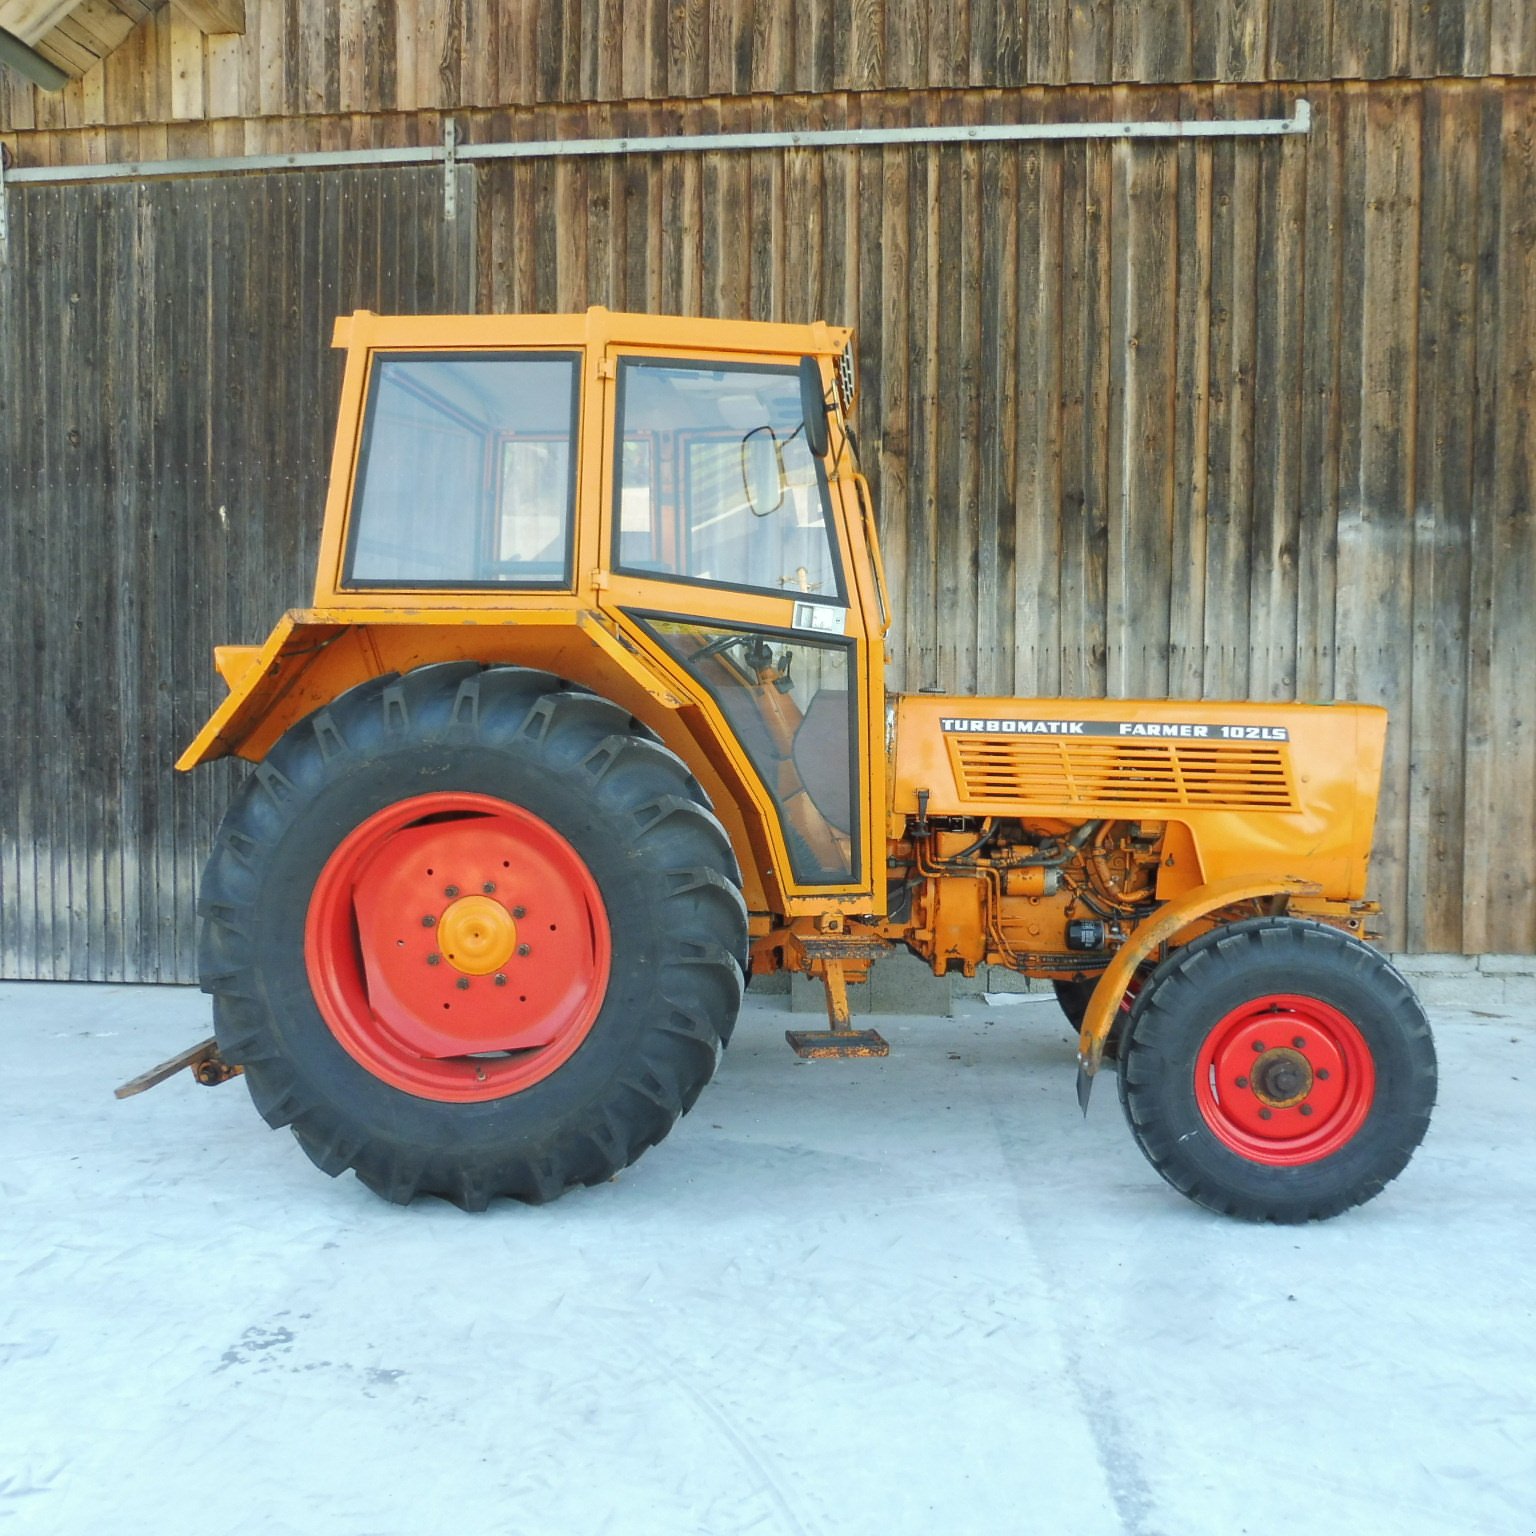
(1099, 773)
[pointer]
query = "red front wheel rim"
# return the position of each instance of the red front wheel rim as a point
(458, 947)
(1285, 1080)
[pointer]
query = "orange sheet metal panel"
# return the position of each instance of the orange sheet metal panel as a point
(1286, 788)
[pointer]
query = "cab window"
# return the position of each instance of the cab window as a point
(466, 477)
(715, 483)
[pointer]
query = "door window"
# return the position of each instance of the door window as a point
(789, 703)
(715, 483)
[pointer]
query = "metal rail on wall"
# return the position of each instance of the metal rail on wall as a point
(451, 152)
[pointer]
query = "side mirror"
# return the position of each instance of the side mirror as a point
(813, 406)
(762, 471)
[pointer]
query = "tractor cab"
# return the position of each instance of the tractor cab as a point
(666, 512)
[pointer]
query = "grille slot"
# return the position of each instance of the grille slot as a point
(1095, 773)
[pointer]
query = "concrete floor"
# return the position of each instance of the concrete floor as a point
(919, 1295)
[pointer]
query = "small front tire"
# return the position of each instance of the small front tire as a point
(1277, 1070)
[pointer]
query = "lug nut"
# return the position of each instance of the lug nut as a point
(433, 959)
(463, 983)
(1264, 1114)
(1299, 1043)
(1258, 1045)
(1242, 1082)
(450, 890)
(489, 887)
(1306, 1109)
(501, 980)
(1322, 1074)
(524, 949)
(519, 911)
(429, 921)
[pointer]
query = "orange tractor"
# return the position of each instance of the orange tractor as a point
(588, 724)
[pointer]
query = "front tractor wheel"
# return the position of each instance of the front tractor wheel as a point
(1277, 1070)
(472, 932)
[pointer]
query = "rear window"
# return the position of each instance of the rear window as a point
(466, 476)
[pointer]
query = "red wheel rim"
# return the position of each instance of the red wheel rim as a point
(1285, 1080)
(457, 947)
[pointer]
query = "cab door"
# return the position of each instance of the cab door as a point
(730, 563)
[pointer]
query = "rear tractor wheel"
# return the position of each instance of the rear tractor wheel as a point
(472, 932)
(1277, 1070)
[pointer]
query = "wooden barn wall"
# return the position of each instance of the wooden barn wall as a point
(1214, 419)
(167, 397)
(1221, 418)
(304, 57)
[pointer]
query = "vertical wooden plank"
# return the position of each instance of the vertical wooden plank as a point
(1086, 352)
(1141, 420)
(1231, 42)
(49, 841)
(1320, 423)
(1376, 490)
(1040, 306)
(1044, 25)
(906, 44)
(1511, 677)
(1512, 40)
(1301, 40)
(953, 590)
(1370, 39)
(994, 426)
(973, 524)
(187, 100)
(1191, 426)
(1234, 255)
(981, 65)
(351, 54)
(1442, 524)
(887, 434)
(1275, 528)
(921, 668)
(1152, 42)
(12, 547)
(1485, 853)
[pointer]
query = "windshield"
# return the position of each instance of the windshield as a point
(715, 482)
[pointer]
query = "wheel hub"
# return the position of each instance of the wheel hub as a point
(477, 935)
(1282, 1078)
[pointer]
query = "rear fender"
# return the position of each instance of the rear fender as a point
(260, 678)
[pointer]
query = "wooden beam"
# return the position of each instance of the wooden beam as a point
(33, 66)
(214, 16)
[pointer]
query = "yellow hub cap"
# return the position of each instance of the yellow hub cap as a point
(477, 935)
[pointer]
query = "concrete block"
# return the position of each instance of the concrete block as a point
(1507, 965)
(901, 983)
(1435, 965)
(1438, 990)
(998, 978)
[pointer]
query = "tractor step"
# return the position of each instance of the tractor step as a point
(836, 1044)
(202, 1060)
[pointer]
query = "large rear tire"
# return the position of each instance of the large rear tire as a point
(1277, 1070)
(472, 932)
